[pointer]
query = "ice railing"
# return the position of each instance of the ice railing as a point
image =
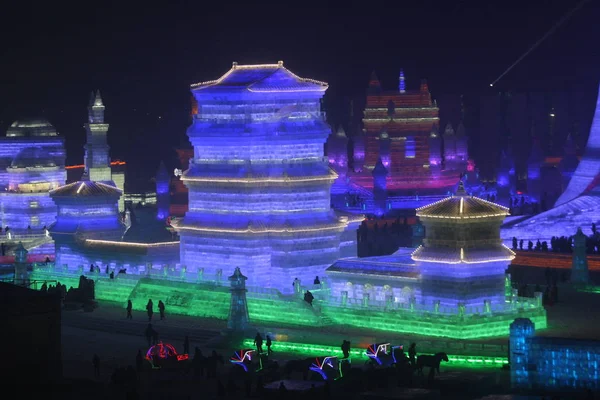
(512, 304)
(175, 273)
(260, 117)
(11, 236)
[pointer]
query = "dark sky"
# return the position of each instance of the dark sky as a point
(144, 55)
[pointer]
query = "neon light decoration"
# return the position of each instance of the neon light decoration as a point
(243, 358)
(162, 353)
(307, 348)
(328, 367)
(380, 353)
(258, 141)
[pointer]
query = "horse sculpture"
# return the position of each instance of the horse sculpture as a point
(431, 361)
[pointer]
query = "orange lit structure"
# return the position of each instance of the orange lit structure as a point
(400, 128)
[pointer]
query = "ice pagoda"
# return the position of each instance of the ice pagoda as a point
(259, 184)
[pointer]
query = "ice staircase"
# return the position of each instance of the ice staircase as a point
(203, 299)
(118, 290)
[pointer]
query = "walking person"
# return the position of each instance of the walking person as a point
(412, 354)
(129, 308)
(258, 342)
(269, 343)
(150, 309)
(161, 309)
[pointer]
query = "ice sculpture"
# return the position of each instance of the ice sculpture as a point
(259, 184)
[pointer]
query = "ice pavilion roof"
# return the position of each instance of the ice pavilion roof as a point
(397, 265)
(462, 206)
(31, 127)
(465, 255)
(263, 78)
(85, 189)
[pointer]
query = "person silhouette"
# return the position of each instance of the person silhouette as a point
(150, 309)
(308, 297)
(258, 342)
(346, 348)
(161, 309)
(269, 343)
(412, 353)
(129, 308)
(317, 281)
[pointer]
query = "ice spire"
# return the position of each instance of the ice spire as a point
(589, 166)
(98, 99)
(402, 83)
(341, 132)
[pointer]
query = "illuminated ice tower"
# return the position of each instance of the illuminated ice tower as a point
(463, 260)
(32, 162)
(97, 159)
(398, 130)
(259, 184)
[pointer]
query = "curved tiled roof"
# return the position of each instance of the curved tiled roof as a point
(31, 127)
(462, 206)
(262, 78)
(467, 255)
(85, 189)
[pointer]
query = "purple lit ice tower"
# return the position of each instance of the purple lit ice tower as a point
(463, 260)
(259, 184)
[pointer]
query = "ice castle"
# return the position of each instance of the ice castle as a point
(259, 184)
(455, 282)
(88, 227)
(32, 162)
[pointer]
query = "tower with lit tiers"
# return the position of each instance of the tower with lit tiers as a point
(259, 184)
(462, 259)
(399, 125)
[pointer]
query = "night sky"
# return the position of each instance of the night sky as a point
(143, 56)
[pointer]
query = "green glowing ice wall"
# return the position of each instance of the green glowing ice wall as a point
(210, 301)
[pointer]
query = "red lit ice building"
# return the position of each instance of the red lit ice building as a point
(401, 127)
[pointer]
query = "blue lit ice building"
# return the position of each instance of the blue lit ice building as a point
(259, 184)
(551, 362)
(89, 227)
(32, 162)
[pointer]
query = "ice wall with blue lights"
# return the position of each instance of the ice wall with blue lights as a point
(551, 363)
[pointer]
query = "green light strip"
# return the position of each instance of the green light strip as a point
(361, 353)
